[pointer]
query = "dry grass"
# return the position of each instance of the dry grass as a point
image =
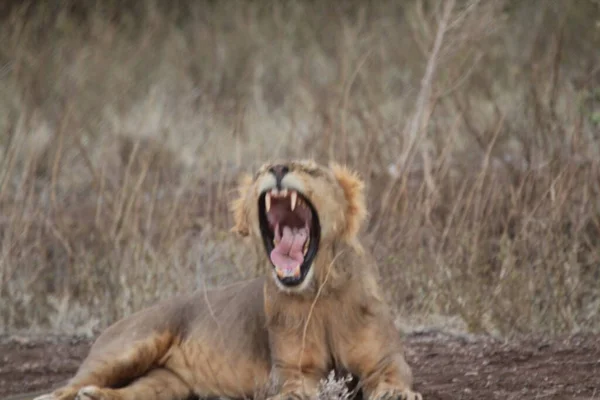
(475, 123)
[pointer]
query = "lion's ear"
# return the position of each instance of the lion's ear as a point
(239, 209)
(353, 187)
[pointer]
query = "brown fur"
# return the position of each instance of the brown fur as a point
(238, 340)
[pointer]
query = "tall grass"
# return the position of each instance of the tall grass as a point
(475, 123)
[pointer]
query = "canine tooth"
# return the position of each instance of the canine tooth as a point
(268, 202)
(294, 199)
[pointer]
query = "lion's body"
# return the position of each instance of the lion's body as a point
(259, 335)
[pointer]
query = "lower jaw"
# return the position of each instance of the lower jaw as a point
(297, 286)
(289, 285)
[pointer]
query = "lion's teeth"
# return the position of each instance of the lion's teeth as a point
(294, 198)
(305, 250)
(283, 193)
(268, 202)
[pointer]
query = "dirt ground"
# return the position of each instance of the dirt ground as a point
(445, 366)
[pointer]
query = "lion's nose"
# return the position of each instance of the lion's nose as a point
(279, 171)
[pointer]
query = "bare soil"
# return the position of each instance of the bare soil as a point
(445, 366)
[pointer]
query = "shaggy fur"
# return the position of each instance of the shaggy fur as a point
(259, 335)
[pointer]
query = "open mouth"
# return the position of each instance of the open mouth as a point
(290, 230)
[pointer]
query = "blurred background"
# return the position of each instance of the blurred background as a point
(124, 126)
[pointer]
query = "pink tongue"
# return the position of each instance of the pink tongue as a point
(287, 254)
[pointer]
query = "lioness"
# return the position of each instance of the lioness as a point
(318, 308)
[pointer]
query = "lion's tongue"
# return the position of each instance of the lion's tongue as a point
(287, 256)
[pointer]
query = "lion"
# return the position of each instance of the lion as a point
(318, 307)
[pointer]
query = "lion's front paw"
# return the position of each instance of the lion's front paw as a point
(60, 394)
(96, 393)
(397, 394)
(47, 396)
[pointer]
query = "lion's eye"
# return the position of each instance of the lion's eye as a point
(313, 172)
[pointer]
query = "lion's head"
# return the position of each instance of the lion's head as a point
(296, 209)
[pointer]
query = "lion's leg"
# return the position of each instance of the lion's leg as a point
(294, 383)
(376, 357)
(106, 367)
(158, 384)
(297, 366)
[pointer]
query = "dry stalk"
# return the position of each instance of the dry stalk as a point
(413, 134)
(415, 126)
(132, 198)
(121, 197)
(312, 307)
(58, 156)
